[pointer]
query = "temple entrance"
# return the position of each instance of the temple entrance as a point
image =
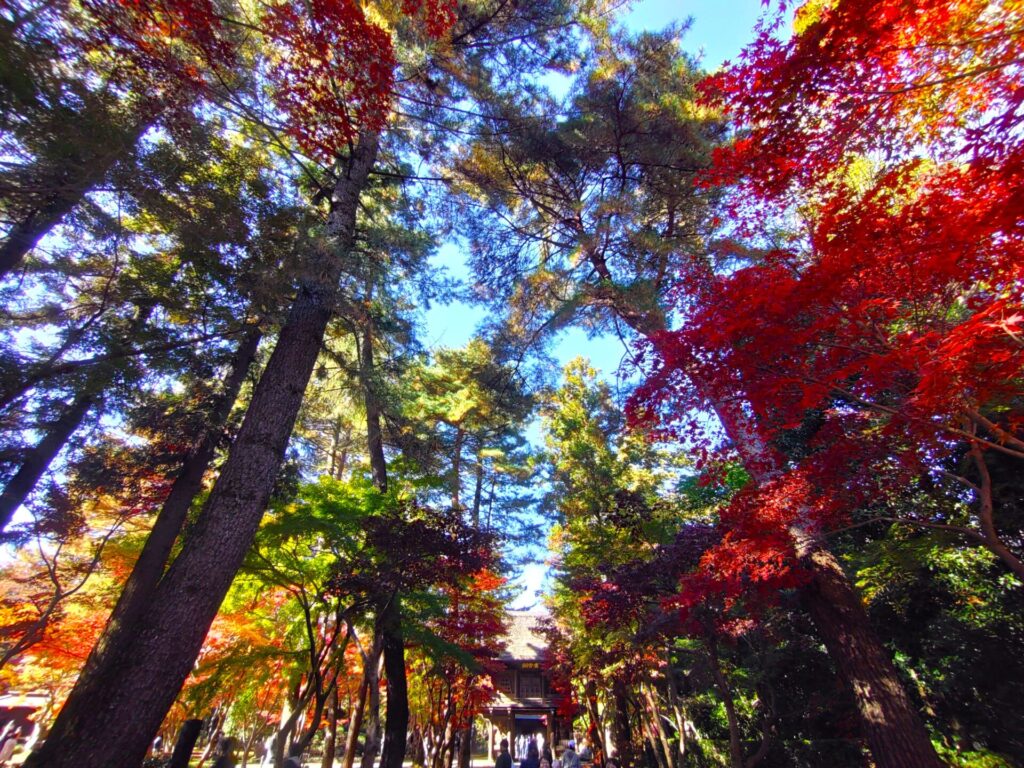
(530, 728)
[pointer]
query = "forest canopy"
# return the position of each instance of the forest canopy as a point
(258, 507)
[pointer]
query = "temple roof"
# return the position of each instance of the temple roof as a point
(524, 642)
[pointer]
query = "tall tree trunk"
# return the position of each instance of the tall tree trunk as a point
(149, 567)
(895, 732)
(187, 738)
(390, 617)
(460, 436)
(372, 714)
(144, 681)
(595, 729)
(355, 723)
(623, 734)
(478, 490)
(331, 737)
(38, 458)
(374, 433)
(70, 183)
(466, 746)
(396, 726)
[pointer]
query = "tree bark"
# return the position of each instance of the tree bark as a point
(331, 738)
(892, 726)
(146, 678)
(595, 731)
(187, 738)
(895, 732)
(374, 433)
(460, 436)
(623, 735)
(396, 727)
(466, 746)
(149, 567)
(38, 459)
(70, 183)
(390, 617)
(478, 490)
(372, 714)
(659, 741)
(355, 723)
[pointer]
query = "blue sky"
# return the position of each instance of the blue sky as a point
(719, 31)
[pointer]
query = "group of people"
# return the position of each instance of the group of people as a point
(543, 757)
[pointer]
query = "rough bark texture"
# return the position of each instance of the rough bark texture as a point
(894, 731)
(128, 710)
(142, 582)
(892, 726)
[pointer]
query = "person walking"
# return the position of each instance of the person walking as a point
(504, 758)
(569, 758)
(532, 759)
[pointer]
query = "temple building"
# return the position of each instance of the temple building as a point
(525, 707)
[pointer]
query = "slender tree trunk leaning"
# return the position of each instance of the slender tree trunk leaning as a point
(660, 740)
(146, 678)
(679, 717)
(39, 458)
(149, 567)
(891, 724)
(70, 183)
(355, 724)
